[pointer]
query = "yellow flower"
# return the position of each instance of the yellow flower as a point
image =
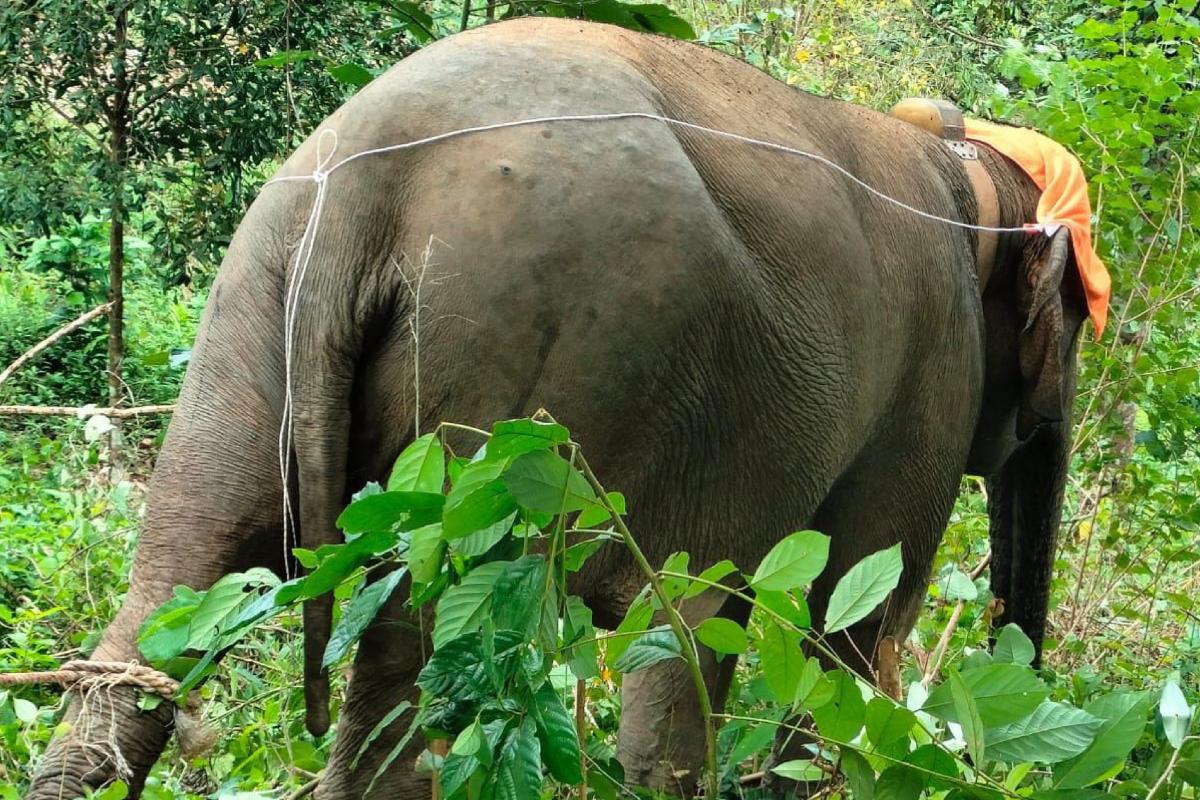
(243, 48)
(803, 55)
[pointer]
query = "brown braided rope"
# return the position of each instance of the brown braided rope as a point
(81, 676)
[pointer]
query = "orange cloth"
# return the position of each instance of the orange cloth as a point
(1064, 199)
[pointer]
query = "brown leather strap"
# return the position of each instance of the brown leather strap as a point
(988, 215)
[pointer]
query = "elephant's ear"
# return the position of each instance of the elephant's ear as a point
(1051, 300)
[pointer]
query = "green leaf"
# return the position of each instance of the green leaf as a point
(1123, 718)
(597, 514)
(887, 722)
(464, 607)
(518, 593)
(577, 554)
(799, 770)
(580, 648)
(841, 719)
(556, 733)
(338, 562)
(956, 585)
(421, 467)
(932, 758)
(516, 437)
(813, 689)
(224, 597)
(860, 777)
(425, 550)
(781, 660)
(286, 57)
(637, 618)
(1175, 712)
(863, 588)
(1053, 732)
(482, 508)
(164, 634)
(658, 18)
(1003, 693)
(793, 563)
(383, 511)
(655, 645)
(517, 773)
(899, 782)
(479, 542)
(968, 716)
(714, 574)
(358, 615)
(722, 635)
(352, 74)
(545, 481)
(787, 605)
(1013, 646)
(1189, 771)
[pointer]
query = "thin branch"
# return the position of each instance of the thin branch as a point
(33, 352)
(953, 31)
(72, 411)
(76, 123)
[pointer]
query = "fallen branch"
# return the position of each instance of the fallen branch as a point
(82, 411)
(33, 352)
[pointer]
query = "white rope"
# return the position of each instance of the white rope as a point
(320, 176)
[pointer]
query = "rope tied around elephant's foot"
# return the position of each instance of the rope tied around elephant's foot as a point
(94, 680)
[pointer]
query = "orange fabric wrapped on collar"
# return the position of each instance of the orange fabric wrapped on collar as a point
(1064, 200)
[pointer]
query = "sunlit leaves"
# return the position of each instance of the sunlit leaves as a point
(793, 563)
(653, 646)
(1053, 732)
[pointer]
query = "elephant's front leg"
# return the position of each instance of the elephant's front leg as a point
(661, 740)
(390, 656)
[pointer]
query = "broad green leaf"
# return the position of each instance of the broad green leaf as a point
(863, 588)
(658, 18)
(225, 596)
(1003, 693)
(286, 57)
(469, 741)
(678, 563)
(1189, 771)
(352, 74)
(1123, 717)
(517, 594)
(580, 648)
(464, 607)
(517, 773)
(1175, 712)
(358, 615)
(722, 635)
(577, 554)
(479, 542)
(655, 645)
(597, 514)
(792, 563)
(482, 508)
(425, 552)
(956, 585)
(887, 722)
(841, 719)
(545, 481)
(338, 562)
(459, 669)
(1013, 646)
(421, 467)
(713, 574)
(860, 777)
(556, 733)
(516, 437)
(386, 510)
(967, 713)
(799, 770)
(899, 782)
(781, 660)
(164, 634)
(1053, 732)
(637, 618)
(813, 689)
(788, 605)
(933, 759)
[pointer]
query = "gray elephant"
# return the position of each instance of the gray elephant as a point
(745, 342)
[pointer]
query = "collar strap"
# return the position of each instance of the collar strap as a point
(987, 205)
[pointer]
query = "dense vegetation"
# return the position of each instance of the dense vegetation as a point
(217, 94)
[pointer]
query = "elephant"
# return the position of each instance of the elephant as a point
(745, 342)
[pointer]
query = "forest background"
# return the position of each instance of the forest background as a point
(134, 135)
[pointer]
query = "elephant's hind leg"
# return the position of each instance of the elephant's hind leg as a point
(661, 740)
(390, 655)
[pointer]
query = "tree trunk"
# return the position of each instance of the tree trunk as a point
(117, 157)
